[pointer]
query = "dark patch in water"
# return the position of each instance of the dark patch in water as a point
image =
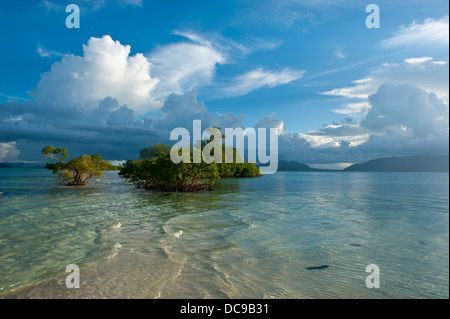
(355, 245)
(423, 243)
(317, 267)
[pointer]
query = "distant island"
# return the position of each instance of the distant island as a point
(21, 165)
(419, 163)
(294, 166)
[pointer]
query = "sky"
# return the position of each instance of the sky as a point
(338, 91)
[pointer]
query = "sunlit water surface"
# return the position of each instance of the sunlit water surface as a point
(250, 238)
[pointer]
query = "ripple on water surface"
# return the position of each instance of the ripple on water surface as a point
(250, 238)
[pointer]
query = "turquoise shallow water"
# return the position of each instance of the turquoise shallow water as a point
(250, 238)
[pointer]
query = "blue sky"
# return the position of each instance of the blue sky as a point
(286, 64)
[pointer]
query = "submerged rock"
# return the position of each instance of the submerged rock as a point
(317, 267)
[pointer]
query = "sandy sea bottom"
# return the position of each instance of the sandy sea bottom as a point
(250, 238)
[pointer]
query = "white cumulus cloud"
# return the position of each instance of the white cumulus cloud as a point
(424, 72)
(186, 65)
(270, 121)
(8, 152)
(105, 69)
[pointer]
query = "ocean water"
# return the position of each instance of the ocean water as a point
(250, 238)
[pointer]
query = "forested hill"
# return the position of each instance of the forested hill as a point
(293, 166)
(419, 163)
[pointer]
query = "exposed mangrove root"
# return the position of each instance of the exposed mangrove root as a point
(75, 183)
(182, 187)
